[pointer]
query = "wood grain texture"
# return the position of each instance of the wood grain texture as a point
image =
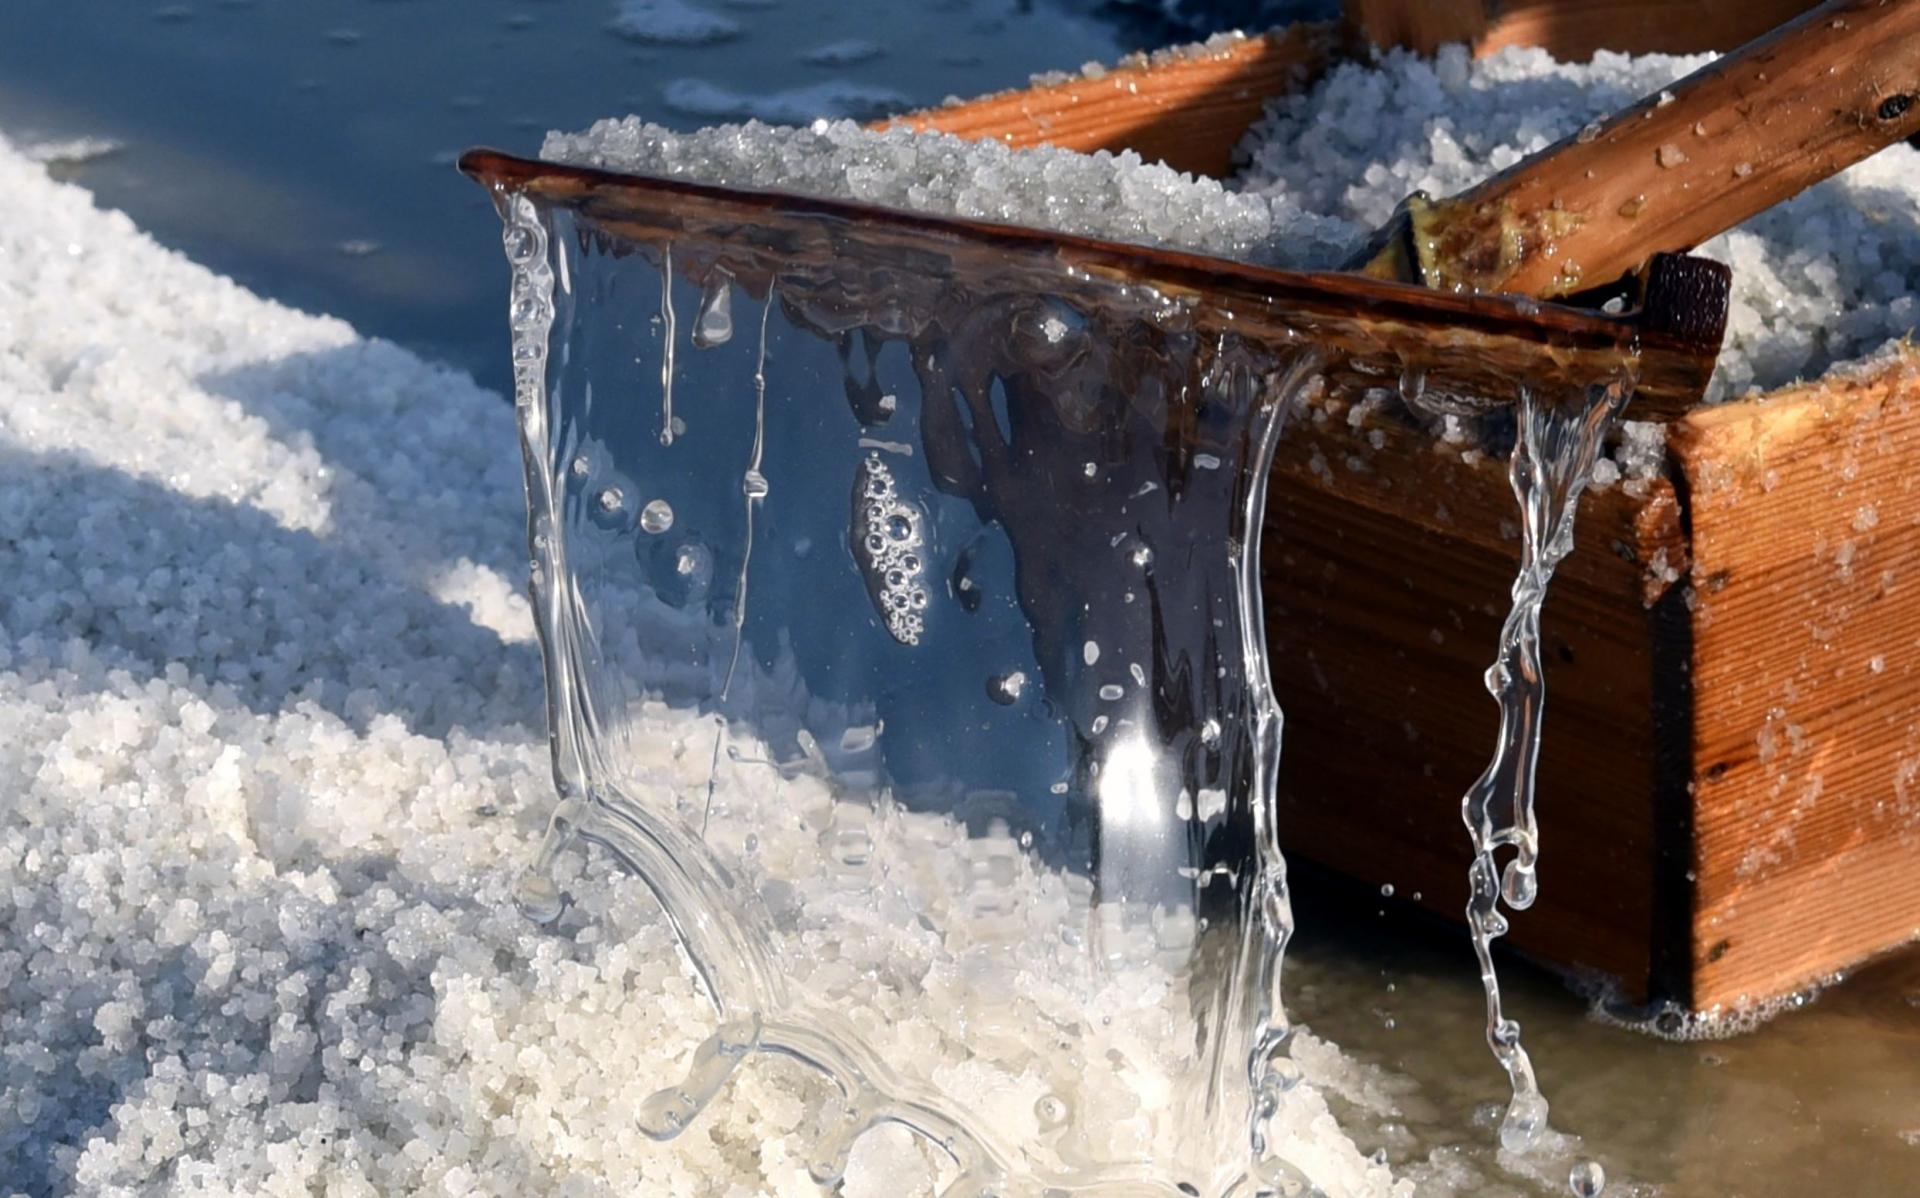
(1738, 136)
(1572, 30)
(1805, 513)
(1385, 572)
(1187, 109)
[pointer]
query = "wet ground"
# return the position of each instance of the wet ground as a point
(307, 151)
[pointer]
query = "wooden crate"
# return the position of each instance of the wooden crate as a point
(1730, 786)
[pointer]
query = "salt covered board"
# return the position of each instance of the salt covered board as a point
(1733, 767)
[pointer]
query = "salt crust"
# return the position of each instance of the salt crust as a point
(1820, 280)
(271, 753)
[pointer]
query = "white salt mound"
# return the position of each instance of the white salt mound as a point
(272, 752)
(1114, 196)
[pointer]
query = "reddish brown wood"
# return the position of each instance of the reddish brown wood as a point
(1572, 30)
(1188, 109)
(1752, 129)
(1385, 574)
(1805, 513)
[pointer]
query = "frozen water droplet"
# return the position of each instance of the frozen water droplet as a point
(1586, 1179)
(611, 499)
(657, 516)
(1210, 733)
(521, 243)
(537, 897)
(753, 485)
(1005, 689)
(582, 466)
(1526, 1118)
(1206, 461)
(713, 324)
(1669, 155)
(1519, 885)
(1142, 556)
(1090, 470)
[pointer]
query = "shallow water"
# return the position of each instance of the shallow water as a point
(307, 149)
(251, 142)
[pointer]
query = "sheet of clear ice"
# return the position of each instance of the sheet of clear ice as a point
(963, 591)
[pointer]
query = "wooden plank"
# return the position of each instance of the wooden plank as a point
(1186, 108)
(1386, 573)
(1805, 513)
(1571, 30)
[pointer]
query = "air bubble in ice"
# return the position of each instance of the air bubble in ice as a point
(1005, 689)
(611, 499)
(1586, 1179)
(657, 516)
(713, 324)
(753, 485)
(537, 897)
(1110, 692)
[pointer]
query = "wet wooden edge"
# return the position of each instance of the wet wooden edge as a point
(1489, 340)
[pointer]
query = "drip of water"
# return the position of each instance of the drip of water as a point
(1556, 447)
(668, 333)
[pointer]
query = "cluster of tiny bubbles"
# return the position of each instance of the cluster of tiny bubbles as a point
(1586, 1179)
(1005, 689)
(656, 517)
(889, 542)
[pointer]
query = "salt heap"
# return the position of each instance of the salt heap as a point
(272, 751)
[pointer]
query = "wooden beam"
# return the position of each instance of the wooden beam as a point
(1570, 30)
(1192, 111)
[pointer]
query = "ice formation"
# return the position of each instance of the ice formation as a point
(1076, 878)
(274, 752)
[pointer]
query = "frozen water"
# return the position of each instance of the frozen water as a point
(1071, 885)
(272, 747)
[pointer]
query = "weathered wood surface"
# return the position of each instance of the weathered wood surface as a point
(1571, 29)
(1188, 110)
(1805, 516)
(1740, 135)
(1385, 574)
